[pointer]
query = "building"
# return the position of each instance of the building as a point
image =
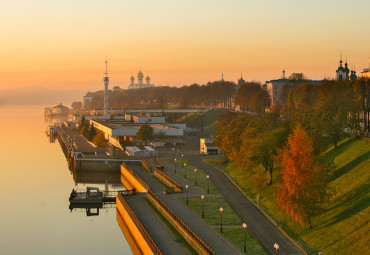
(118, 131)
(275, 88)
(207, 147)
(366, 72)
(145, 118)
(343, 73)
(140, 84)
(58, 110)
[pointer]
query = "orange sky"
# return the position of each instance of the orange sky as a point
(63, 44)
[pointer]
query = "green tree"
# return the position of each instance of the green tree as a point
(145, 133)
(91, 133)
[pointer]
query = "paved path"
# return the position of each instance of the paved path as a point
(162, 236)
(259, 225)
(215, 241)
(265, 232)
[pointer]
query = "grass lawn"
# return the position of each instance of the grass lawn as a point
(200, 176)
(232, 225)
(343, 228)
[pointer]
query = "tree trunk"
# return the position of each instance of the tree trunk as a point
(309, 222)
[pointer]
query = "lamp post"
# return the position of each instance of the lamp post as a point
(173, 153)
(187, 194)
(202, 197)
(182, 160)
(175, 163)
(221, 210)
(195, 171)
(245, 236)
(276, 246)
(208, 184)
(185, 169)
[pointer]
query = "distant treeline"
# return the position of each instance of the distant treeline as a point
(249, 95)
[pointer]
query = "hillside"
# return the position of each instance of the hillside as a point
(205, 122)
(344, 226)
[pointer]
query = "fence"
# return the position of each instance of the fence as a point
(174, 186)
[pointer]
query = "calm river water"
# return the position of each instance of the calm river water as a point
(35, 185)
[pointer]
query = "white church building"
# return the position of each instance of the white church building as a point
(140, 84)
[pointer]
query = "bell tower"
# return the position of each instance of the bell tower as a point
(106, 82)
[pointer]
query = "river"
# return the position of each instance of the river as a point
(35, 186)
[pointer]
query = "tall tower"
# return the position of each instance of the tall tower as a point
(106, 82)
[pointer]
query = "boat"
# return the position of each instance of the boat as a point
(92, 195)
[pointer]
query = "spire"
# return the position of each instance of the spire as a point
(283, 73)
(106, 66)
(222, 77)
(340, 59)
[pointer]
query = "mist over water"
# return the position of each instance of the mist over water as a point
(36, 184)
(36, 95)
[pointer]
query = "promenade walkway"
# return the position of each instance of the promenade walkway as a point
(162, 236)
(265, 232)
(215, 241)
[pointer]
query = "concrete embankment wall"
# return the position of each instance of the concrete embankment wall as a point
(146, 165)
(180, 226)
(134, 179)
(142, 239)
(168, 181)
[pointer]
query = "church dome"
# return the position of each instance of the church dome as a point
(147, 78)
(132, 77)
(140, 75)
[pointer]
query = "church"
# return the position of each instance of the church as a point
(343, 72)
(140, 84)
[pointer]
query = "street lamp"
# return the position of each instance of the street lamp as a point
(221, 210)
(245, 237)
(185, 169)
(173, 153)
(195, 171)
(175, 163)
(202, 197)
(187, 194)
(208, 184)
(276, 246)
(182, 160)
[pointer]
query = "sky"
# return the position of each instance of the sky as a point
(62, 44)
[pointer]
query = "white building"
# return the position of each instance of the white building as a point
(140, 84)
(145, 118)
(207, 147)
(57, 110)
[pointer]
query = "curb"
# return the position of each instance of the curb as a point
(271, 220)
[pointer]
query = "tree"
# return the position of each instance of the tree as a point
(302, 189)
(92, 133)
(334, 103)
(259, 179)
(145, 133)
(76, 105)
(99, 139)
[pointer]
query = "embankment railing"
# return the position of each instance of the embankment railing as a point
(139, 226)
(196, 242)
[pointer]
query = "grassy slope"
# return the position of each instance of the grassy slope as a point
(344, 226)
(209, 121)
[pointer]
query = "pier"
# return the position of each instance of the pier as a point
(81, 155)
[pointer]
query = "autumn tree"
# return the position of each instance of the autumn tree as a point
(302, 189)
(334, 103)
(99, 139)
(145, 133)
(76, 105)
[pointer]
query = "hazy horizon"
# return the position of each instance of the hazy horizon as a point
(63, 44)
